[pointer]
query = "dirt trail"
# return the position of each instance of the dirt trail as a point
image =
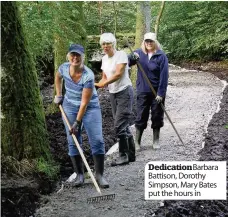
(192, 98)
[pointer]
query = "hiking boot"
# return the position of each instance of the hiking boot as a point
(78, 169)
(156, 133)
(123, 152)
(99, 168)
(138, 137)
(131, 144)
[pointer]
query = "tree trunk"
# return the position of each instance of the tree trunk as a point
(100, 15)
(143, 21)
(159, 18)
(24, 133)
(115, 18)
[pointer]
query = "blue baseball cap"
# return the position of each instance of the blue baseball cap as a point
(77, 48)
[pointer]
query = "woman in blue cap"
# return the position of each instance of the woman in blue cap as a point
(81, 106)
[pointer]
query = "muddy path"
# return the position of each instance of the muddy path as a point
(192, 99)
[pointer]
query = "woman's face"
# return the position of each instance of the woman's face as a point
(150, 45)
(75, 59)
(107, 47)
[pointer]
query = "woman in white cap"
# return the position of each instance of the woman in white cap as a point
(155, 64)
(81, 105)
(115, 75)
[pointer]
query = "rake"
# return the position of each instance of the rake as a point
(100, 197)
(154, 92)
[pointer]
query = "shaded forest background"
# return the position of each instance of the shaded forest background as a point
(35, 37)
(188, 31)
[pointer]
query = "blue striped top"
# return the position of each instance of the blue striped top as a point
(74, 89)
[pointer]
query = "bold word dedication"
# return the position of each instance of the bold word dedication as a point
(185, 180)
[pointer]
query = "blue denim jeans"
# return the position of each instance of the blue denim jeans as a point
(92, 123)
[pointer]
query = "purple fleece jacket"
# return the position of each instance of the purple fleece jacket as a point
(156, 70)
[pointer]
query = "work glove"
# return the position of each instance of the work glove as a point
(76, 128)
(58, 100)
(158, 99)
(135, 56)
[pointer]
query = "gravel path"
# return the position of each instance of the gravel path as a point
(192, 98)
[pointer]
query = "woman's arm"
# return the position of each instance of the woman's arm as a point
(103, 79)
(164, 75)
(86, 96)
(58, 84)
(120, 68)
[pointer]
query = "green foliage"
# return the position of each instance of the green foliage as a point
(42, 20)
(70, 28)
(125, 17)
(49, 168)
(195, 30)
(226, 126)
(52, 25)
(188, 30)
(37, 20)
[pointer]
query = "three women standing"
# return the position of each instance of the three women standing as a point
(81, 103)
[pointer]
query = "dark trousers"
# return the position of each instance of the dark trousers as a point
(122, 104)
(145, 103)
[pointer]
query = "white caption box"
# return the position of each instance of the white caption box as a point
(185, 180)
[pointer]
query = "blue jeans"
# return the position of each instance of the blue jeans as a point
(92, 123)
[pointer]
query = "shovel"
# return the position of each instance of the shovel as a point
(95, 198)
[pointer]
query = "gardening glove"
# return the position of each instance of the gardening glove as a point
(158, 99)
(76, 128)
(58, 100)
(135, 56)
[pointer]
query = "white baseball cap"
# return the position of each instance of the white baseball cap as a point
(108, 38)
(150, 36)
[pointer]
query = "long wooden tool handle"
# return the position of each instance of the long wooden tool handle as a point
(154, 92)
(80, 151)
